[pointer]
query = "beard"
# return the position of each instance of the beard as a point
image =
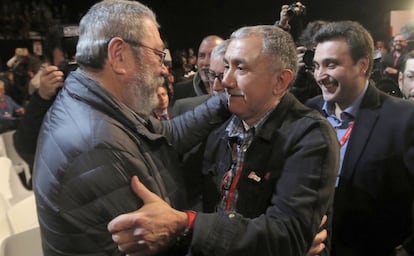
(141, 93)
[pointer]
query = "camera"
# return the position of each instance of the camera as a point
(308, 59)
(67, 66)
(296, 9)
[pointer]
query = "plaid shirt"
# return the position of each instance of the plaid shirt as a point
(240, 137)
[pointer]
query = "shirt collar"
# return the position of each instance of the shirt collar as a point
(329, 107)
(237, 127)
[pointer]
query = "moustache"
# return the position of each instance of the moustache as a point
(234, 92)
(326, 81)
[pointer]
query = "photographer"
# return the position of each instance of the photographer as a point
(45, 86)
(305, 87)
(291, 20)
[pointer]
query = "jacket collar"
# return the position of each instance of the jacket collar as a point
(82, 87)
(365, 121)
(276, 117)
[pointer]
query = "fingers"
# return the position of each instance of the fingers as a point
(301, 49)
(318, 241)
(51, 79)
(124, 225)
(317, 244)
(138, 247)
(316, 250)
(320, 237)
(142, 192)
(126, 236)
(324, 219)
(129, 220)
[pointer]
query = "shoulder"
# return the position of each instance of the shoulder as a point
(315, 102)
(183, 105)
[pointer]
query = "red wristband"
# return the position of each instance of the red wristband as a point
(191, 215)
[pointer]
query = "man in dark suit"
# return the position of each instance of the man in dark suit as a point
(375, 187)
(199, 85)
(391, 63)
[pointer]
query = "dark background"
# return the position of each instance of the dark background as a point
(185, 22)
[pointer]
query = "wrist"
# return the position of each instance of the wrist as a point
(184, 238)
(191, 215)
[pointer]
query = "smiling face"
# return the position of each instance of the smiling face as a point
(204, 54)
(250, 83)
(339, 77)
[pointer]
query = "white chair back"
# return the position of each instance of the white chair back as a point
(27, 243)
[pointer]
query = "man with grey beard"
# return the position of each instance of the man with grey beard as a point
(99, 133)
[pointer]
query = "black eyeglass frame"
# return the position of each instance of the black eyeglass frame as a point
(211, 75)
(157, 52)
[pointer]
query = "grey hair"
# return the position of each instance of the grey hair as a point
(220, 49)
(277, 43)
(105, 20)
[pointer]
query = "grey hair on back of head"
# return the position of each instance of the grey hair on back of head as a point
(105, 20)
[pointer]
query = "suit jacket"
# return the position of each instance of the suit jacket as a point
(388, 61)
(189, 88)
(373, 200)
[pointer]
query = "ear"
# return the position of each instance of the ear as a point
(283, 79)
(400, 80)
(117, 55)
(363, 64)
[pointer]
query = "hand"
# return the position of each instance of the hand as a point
(390, 70)
(51, 79)
(7, 115)
(20, 111)
(301, 52)
(317, 244)
(149, 230)
(284, 17)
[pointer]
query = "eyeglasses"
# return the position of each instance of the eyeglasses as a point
(211, 75)
(160, 54)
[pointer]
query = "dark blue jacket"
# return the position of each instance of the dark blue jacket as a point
(89, 147)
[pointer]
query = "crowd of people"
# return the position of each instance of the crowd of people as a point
(257, 144)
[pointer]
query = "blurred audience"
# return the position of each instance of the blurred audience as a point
(10, 111)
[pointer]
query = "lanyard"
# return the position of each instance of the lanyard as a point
(347, 134)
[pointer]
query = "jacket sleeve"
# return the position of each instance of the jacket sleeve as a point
(187, 130)
(301, 196)
(25, 137)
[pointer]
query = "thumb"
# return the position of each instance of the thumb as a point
(129, 220)
(142, 192)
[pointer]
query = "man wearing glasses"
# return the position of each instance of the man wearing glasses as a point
(391, 63)
(99, 133)
(406, 76)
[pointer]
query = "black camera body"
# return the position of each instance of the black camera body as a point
(67, 66)
(296, 9)
(308, 59)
